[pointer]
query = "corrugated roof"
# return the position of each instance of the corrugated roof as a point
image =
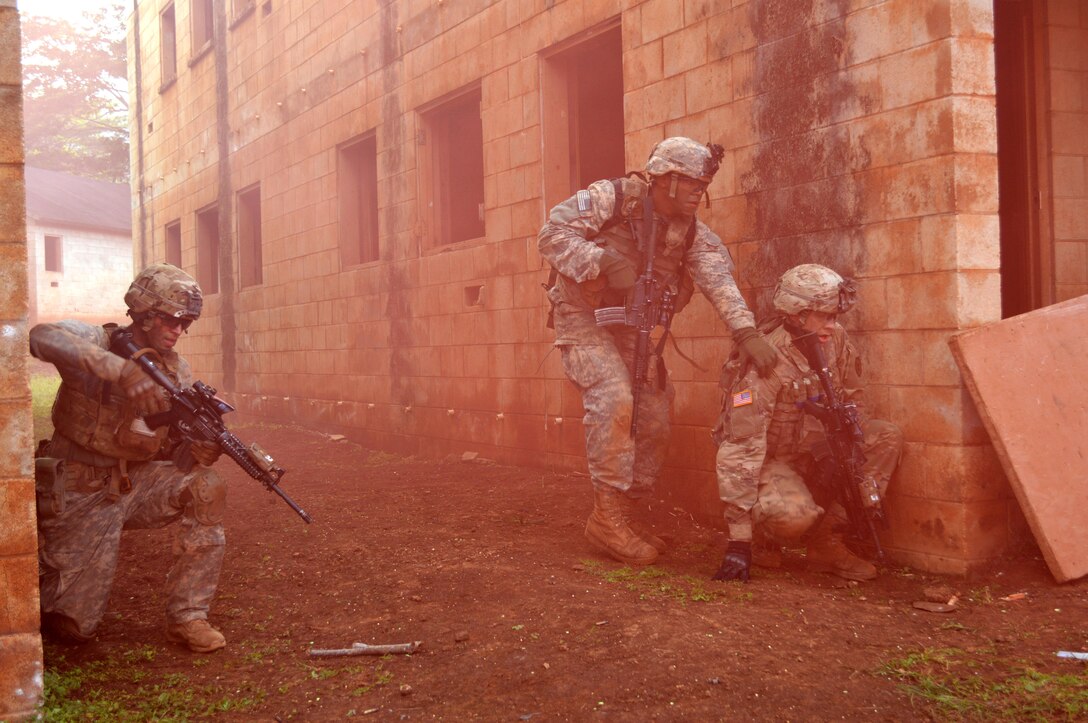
(64, 199)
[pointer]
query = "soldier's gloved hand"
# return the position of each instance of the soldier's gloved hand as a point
(621, 274)
(737, 562)
(756, 349)
(141, 390)
(205, 452)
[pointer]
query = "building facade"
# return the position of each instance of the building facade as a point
(358, 187)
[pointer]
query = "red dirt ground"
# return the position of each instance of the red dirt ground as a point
(521, 620)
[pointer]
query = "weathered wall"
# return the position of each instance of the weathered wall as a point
(20, 642)
(859, 133)
(96, 269)
(1067, 35)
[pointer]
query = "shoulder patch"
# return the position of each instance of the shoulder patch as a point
(742, 398)
(585, 202)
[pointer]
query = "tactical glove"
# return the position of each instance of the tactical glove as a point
(204, 452)
(621, 274)
(141, 390)
(737, 562)
(755, 348)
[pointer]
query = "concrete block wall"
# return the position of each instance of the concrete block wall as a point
(859, 133)
(1067, 31)
(20, 641)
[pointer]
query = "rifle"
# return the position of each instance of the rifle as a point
(651, 303)
(857, 493)
(196, 413)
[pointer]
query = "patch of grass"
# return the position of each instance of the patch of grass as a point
(654, 582)
(43, 390)
(135, 694)
(381, 677)
(981, 595)
(977, 685)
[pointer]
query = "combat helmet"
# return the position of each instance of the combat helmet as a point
(686, 157)
(164, 289)
(816, 288)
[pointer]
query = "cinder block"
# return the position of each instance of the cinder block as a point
(17, 435)
(729, 32)
(1071, 218)
(967, 474)
(10, 52)
(987, 527)
(20, 674)
(708, 86)
(1070, 176)
(916, 75)
(643, 65)
(978, 241)
(17, 509)
(894, 358)
(685, 49)
(937, 363)
(969, 18)
(658, 18)
(927, 527)
(1071, 262)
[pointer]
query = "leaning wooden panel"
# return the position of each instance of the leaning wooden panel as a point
(1028, 376)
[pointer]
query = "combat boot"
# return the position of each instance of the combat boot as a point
(63, 629)
(827, 553)
(198, 635)
(607, 529)
(633, 515)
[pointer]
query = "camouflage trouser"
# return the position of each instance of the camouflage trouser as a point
(77, 549)
(602, 372)
(781, 504)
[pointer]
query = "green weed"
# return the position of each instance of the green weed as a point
(654, 582)
(136, 693)
(978, 685)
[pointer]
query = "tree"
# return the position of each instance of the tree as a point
(75, 94)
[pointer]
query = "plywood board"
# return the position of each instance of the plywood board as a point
(1028, 376)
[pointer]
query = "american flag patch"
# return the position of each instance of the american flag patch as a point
(585, 202)
(741, 399)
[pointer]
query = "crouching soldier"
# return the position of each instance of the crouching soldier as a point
(105, 470)
(770, 451)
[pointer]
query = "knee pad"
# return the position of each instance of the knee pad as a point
(209, 494)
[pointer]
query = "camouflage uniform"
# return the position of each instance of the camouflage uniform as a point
(598, 359)
(113, 479)
(766, 442)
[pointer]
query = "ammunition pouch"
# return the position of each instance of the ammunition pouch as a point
(50, 482)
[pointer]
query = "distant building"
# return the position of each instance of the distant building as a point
(79, 246)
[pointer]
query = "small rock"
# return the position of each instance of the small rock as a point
(469, 456)
(934, 607)
(337, 438)
(461, 636)
(416, 598)
(405, 689)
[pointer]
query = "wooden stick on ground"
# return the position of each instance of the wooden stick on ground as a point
(364, 649)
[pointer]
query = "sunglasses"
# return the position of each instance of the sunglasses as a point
(172, 321)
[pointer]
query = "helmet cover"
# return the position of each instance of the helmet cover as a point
(811, 287)
(167, 290)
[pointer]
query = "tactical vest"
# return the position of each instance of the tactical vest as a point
(104, 422)
(620, 233)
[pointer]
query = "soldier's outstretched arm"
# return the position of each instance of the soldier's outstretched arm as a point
(711, 269)
(73, 346)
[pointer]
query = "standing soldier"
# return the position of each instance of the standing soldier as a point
(103, 470)
(596, 242)
(769, 446)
